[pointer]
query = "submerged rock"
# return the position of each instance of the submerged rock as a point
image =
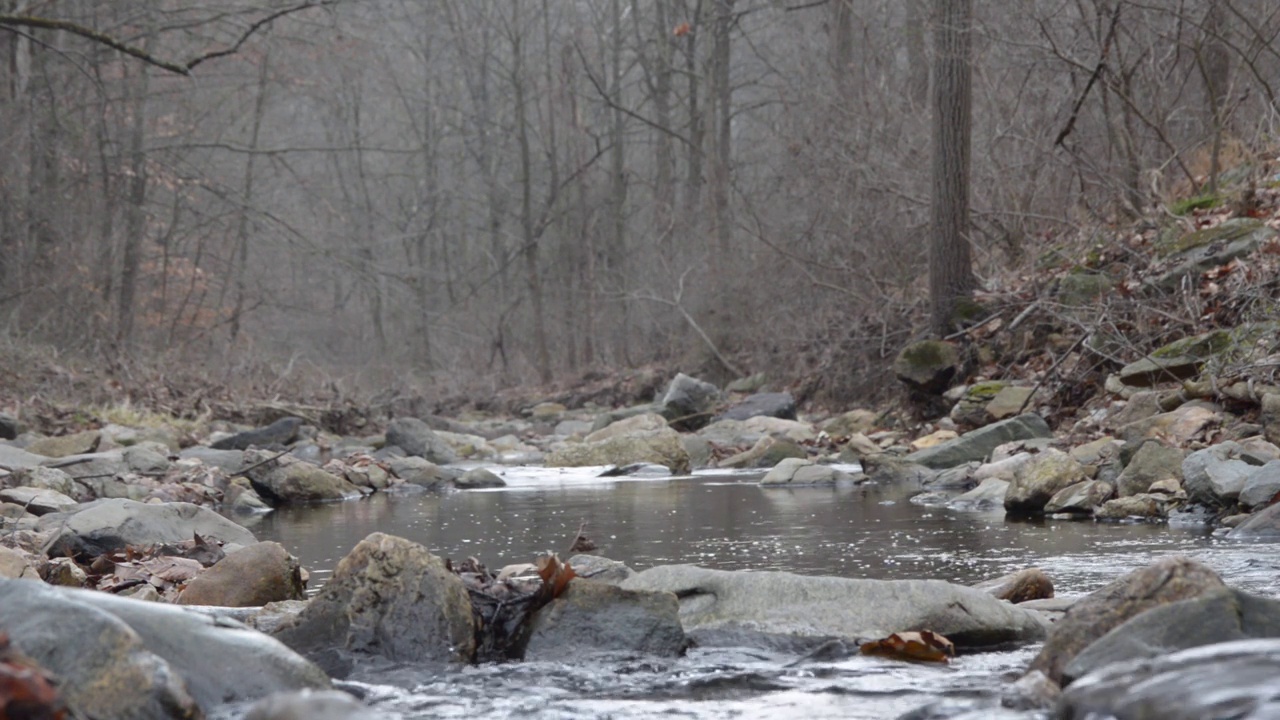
(720, 607)
(1020, 586)
(287, 480)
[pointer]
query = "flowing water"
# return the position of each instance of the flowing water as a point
(727, 521)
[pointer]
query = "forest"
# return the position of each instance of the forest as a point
(487, 193)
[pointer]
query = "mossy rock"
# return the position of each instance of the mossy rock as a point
(1199, 202)
(927, 366)
(1082, 286)
(1197, 346)
(1228, 231)
(1184, 359)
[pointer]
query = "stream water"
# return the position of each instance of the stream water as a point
(727, 521)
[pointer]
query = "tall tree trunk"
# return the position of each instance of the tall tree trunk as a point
(951, 278)
(842, 46)
(242, 220)
(137, 83)
(1215, 67)
(664, 152)
(723, 95)
(618, 188)
(917, 55)
(697, 124)
(528, 235)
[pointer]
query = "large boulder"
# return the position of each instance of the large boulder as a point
(793, 472)
(1178, 427)
(1216, 475)
(719, 607)
(1220, 615)
(1037, 481)
(250, 577)
(1152, 462)
(689, 401)
(1262, 486)
(928, 366)
(642, 424)
(1262, 525)
(978, 444)
(1223, 680)
(778, 405)
(388, 597)
(122, 658)
(104, 525)
(661, 448)
(1080, 499)
(416, 438)
(287, 480)
(594, 617)
(280, 432)
(1166, 581)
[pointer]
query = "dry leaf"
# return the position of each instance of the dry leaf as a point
(923, 646)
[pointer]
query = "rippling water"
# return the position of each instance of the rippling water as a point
(729, 522)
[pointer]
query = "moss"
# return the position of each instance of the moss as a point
(968, 310)
(1198, 346)
(1199, 202)
(929, 353)
(984, 391)
(1228, 231)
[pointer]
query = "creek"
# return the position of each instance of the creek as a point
(729, 522)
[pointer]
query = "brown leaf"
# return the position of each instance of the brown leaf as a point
(923, 646)
(555, 573)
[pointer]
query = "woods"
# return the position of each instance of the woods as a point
(493, 192)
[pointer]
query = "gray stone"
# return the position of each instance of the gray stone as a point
(605, 419)
(249, 577)
(1039, 480)
(1224, 680)
(978, 444)
(80, 443)
(38, 501)
(92, 466)
(1262, 525)
(766, 453)
(388, 597)
(477, 478)
(12, 458)
(1216, 475)
(989, 495)
(1178, 426)
(231, 461)
(418, 471)
(798, 471)
(636, 425)
(1153, 461)
(662, 448)
(600, 569)
(1262, 485)
(689, 401)
(927, 366)
(1200, 250)
(592, 617)
(122, 658)
(723, 607)
(311, 705)
(1269, 417)
(48, 479)
(280, 432)
(146, 460)
(1168, 580)
(850, 423)
(1147, 506)
(1080, 498)
(287, 480)
(103, 525)
(415, 437)
(10, 428)
(779, 405)
(1220, 615)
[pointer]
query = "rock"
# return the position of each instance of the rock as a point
(600, 569)
(242, 499)
(1004, 469)
(48, 479)
(1144, 505)
(768, 452)
(1220, 615)
(778, 405)
(310, 705)
(781, 428)
(146, 460)
(928, 366)
(250, 577)
(1223, 680)
(278, 433)
(1262, 486)
(476, 478)
(971, 409)
(1179, 360)
(1039, 479)
(978, 444)
(1032, 691)
(1200, 250)
(1270, 418)
(1141, 405)
(792, 472)
(989, 495)
(662, 448)
(720, 607)
(688, 402)
(287, 480)
(10, 428)
(699, 450)
(103, 525)
(605, 419)
(933, 439)
(1168, 486)
(12, 458)
(16, 564)
(80, 443)
(1165, 581)
(92, 466)
(38, 501)
(418, 471)
(1262, 525)
(416, 438)
(122, 658)
(1081, 498)
(644, 424)
(1020, 586)
(547, 410)
(1153, 461)
(1178, 427)
(1216, 475)
(231, 461)
(1082, 287)
(63, 572)
(388, 597)
(850, 423)
(889, 470)
(591, 617)
(859, 446)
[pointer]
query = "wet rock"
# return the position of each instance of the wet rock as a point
(476, 478)
(1020, 586)
(310, 705)
(850, 423)
(662, 448)
(1153, 461)
(1039, 479)
(1146, 506)
(280, 432)
(1166, 581)
(287, 480)
(688, 402)
(241, 499)
(38, 501)
(1262, 486)
(1224, 680)
(978, 444)
(122, 658)
(957, 478)
(592, 617)
(1032, 691)
(1216, 475)
(778, 405)
(644, 424)
(250, 577)
(989, 495)
(416, 438)
(1262, 525)
(768, 452)
(103, 525)
(74, 444)
(792, 472)
(721, 607)
(231, 461)
(10, 428)
(419, 471)
(1220, 615)
(388, 597)
(600, 569)
(1081, 498)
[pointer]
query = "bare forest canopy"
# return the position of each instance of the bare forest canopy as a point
(523, 190)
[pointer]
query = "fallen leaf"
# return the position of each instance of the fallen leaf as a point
(923, 646)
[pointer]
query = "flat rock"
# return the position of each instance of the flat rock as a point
(1080, 498)
(74, 444)
(778, 405)
(280, 432)
(103, 525)
(1152, 462)
(38, 501)
(12, 458)
(723, 607)
(662, 448)
(978, 444)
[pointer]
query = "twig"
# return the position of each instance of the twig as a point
(257, 465)
(1049, 373)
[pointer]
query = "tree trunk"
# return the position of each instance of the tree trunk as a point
(542, 355)
(723, 94)
(951, 278)
(1215, 66)
(137, 79)
(242, 220)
